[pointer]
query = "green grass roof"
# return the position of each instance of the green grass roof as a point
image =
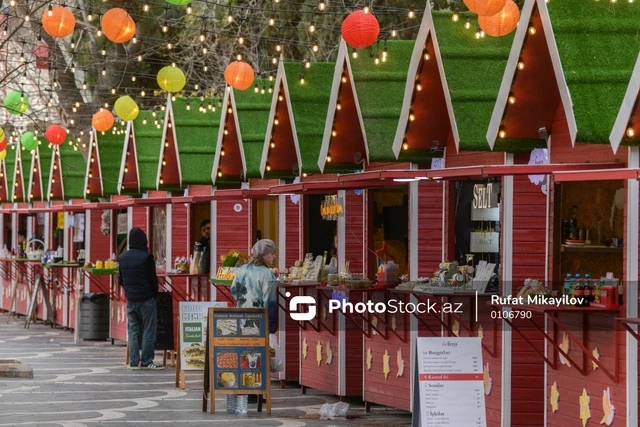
(380, 89)
(598, 44)
(45, 167)
(148, 140)
(253, 111)
(197, 135)
(474, 70)
(74, 168)
(9, 165)
(110, 147)
(309, 105)
(25, 160)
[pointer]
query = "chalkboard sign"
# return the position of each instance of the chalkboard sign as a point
(164, 332)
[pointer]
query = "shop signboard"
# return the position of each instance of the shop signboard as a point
(484, 242)
(193, 332)
(485, 206)
(449, 376)
(238, 358)
(331, 208)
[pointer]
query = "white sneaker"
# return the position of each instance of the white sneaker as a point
(152, 366)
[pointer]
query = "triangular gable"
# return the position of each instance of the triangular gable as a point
(17, 193)
(35, 177)
(129, 178)
(73, 171)
(627, 124)
(598, 46)
(3, 182)
(55, 189)
(229, 162)
(169, 173)
(473, 69)
(533, 85)
(93, 177)
(309, 104)
(196, 133)
(281, 153)
(343, 138)
(427, 113)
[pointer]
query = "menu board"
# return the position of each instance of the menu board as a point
(164, 328)
(193, 332)
(449, 383)
(239, 354)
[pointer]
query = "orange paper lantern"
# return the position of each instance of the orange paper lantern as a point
(118, 26)
(485, 7)
(3, 144)
(58, 21)
(103, 120)
(503, 22)
(56, 134)
(239, 75)
(360, 29)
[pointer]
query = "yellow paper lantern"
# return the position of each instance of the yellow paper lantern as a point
(2, 135)
(126, 108)
(3, 154)
(503, 22)
(171, 79)
(485, 7)
(118, 26)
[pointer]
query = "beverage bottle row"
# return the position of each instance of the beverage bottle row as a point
(584, 289)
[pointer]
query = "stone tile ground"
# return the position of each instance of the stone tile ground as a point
(86, 384)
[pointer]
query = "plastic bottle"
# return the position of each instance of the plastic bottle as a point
(578, 291)
(237, 404)
(587, 288)
(567, 284)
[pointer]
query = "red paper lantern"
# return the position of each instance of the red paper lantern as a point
(118, 26)
(56, 134)
(58, 21)
(360, 29)
(485, 7)
(3, 144)
(503, 22)
(239, 75)
(103, 120)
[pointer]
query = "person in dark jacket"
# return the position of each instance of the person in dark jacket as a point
(138, 277)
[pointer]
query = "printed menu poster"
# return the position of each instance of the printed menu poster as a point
(193, 333)
(239, 350)
(449, 383)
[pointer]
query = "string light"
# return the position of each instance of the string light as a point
(532, 30)
(512, 99)
(520, 65)
(630, 132)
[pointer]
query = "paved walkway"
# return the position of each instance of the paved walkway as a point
(77, 385)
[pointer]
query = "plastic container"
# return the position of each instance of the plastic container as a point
(237, 404)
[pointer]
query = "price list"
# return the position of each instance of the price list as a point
(450, 383)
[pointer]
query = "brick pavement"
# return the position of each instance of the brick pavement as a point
(86, 384)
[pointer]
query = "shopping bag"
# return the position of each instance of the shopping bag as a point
(277, 363)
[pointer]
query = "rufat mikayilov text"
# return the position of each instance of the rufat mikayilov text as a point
(394, 306)
(536, 300)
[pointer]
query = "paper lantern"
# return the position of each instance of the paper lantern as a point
(29, 141)
(503, 22)
(58, 22)
(360, 29)
(171, 79)
(2, 135)
(56, 134)
(16, 102)
(126, 108)
(485, 7)
(3, 144)
(239, 75)
(179, 2)
(103, 120)
(118, 26)
(3, 154)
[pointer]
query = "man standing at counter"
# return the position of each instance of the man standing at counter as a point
(138, 277)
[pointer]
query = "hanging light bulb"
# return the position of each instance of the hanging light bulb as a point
(315, 47)
(272, 21)
(145, 7)
(467, 24)
(322, 6)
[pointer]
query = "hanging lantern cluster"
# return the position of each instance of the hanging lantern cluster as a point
(126, 108)
(118, 26)
(29, 141)
(239, 75)
(3, 145)
(496, 18)
(16, 102)
(56, 134)
(58, 21)
(103, 120)
(360, 29)
(171, 79)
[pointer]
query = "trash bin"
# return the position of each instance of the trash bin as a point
(94, 317)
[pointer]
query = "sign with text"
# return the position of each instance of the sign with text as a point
(484, 242)
(485, 205)
(331, 208)
(448, 377)
(193, 331)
